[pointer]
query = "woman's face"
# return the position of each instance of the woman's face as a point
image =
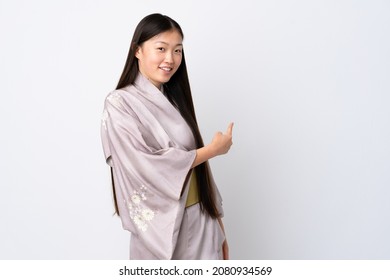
(160, 57)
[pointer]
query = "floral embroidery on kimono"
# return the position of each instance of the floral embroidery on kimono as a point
(139, 213)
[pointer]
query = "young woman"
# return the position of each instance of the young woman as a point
(164, 191)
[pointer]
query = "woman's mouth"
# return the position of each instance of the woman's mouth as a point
(166, 69)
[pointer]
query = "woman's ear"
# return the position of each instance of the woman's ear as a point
(137, 51)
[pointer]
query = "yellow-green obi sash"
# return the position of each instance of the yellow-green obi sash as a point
(193, 196)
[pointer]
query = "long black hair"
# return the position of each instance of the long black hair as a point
(178, 92)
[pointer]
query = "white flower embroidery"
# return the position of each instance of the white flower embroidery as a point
(140, 223)
(143, 227)
(138, 220)
(115, 99)
(104, 119)
(148, 214)
(135, 199)
(140, 214)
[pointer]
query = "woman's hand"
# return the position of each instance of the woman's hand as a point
(221, 142)
(220, 145)
(225, 250)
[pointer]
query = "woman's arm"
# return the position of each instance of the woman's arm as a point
(220, 145)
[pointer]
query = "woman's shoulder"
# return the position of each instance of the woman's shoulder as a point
(121, 94)
(125, 100)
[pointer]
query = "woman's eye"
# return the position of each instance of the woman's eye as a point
(179, 51)
(161, 49)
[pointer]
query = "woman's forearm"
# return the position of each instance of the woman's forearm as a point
(220, 145)
(203, 154)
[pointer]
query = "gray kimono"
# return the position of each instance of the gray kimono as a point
(151, 150)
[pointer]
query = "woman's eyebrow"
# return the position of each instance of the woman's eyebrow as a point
(165, 43)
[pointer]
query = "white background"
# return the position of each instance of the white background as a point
(306, 83)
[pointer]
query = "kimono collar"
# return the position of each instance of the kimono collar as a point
(149, 91)
(142, 82)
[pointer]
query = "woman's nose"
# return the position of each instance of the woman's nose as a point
(169, 57)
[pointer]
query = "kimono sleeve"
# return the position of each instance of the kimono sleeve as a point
(148, 181)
